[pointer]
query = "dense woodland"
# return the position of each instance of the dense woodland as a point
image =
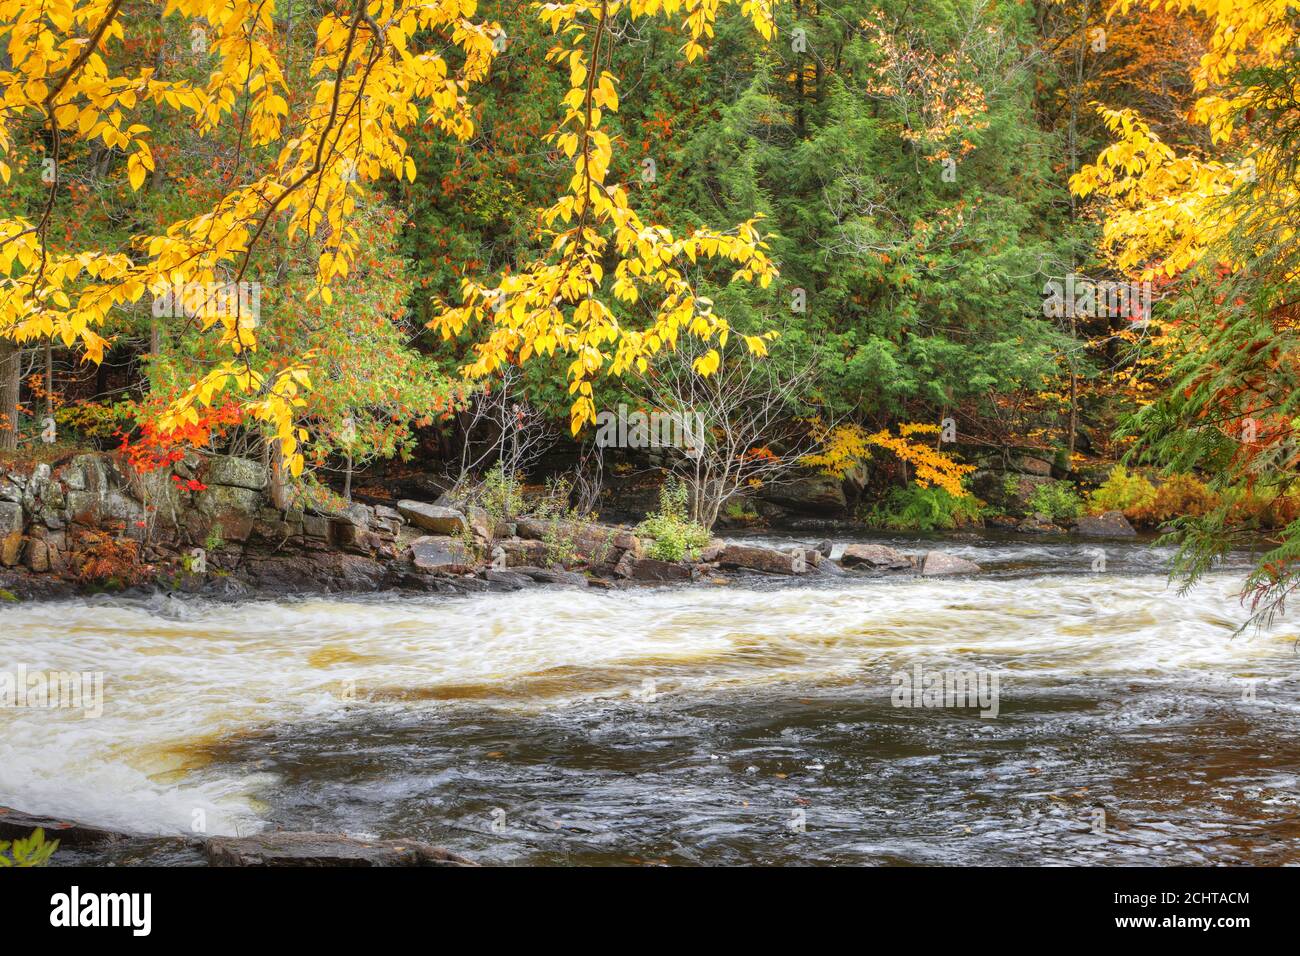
(365, 238)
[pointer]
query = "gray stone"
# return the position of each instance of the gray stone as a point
(86, 473)
(218, 499)
(440, 553)
(315, 526)
(11, 518)
(433, 518)
(235, 472)
(937, 562)
(1111, 524)
(874, 556)
(512, 580)
(555, 576)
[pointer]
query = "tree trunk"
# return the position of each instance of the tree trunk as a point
(11, 357)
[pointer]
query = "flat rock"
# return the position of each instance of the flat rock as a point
(555, 576)
(325, 849)
(511, 580)
(937, 562)
(662, 572)
(768, 560)
(1111, 524)
(435, 518)
(441, 554)
(16, 825)
(875, 556)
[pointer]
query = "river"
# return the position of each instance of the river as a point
(750, 722)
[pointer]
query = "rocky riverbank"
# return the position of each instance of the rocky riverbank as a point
(275, 848)
(209, 526)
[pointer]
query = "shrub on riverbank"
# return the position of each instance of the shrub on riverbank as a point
(1058, 500)
(923, 509)
(1177, 496)
(675, 536)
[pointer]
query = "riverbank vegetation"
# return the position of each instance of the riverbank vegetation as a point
(920, 265)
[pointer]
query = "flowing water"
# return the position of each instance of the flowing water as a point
(750, 722)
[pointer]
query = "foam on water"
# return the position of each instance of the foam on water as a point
(180, 675)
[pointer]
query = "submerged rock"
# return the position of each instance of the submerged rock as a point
(937, 562)
(325, 849)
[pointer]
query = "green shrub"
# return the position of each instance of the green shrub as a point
(501, 495)
(1056, 499)
(740, 511)
(675, 536)
(33, 851)
(923, 509)
(1131, 494)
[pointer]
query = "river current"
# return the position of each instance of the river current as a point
(757, 721)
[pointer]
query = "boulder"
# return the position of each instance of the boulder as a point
(220, 499)
(874, 556)
(555, 576)
(1111, 524)
(825, 548)
(1034, 466)
(520, 553)
(86, 473)
(235, 472)
(510, 580)
(625, 565)
(11, 548)
(812, 494)
(1037, 524)
(659, 572)
(767, 560)
(11, 518)
(937, 562)
(596, 543)
(37, 555)
(440, 554)
(435, 518)
(713, 550)
(324, 849)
